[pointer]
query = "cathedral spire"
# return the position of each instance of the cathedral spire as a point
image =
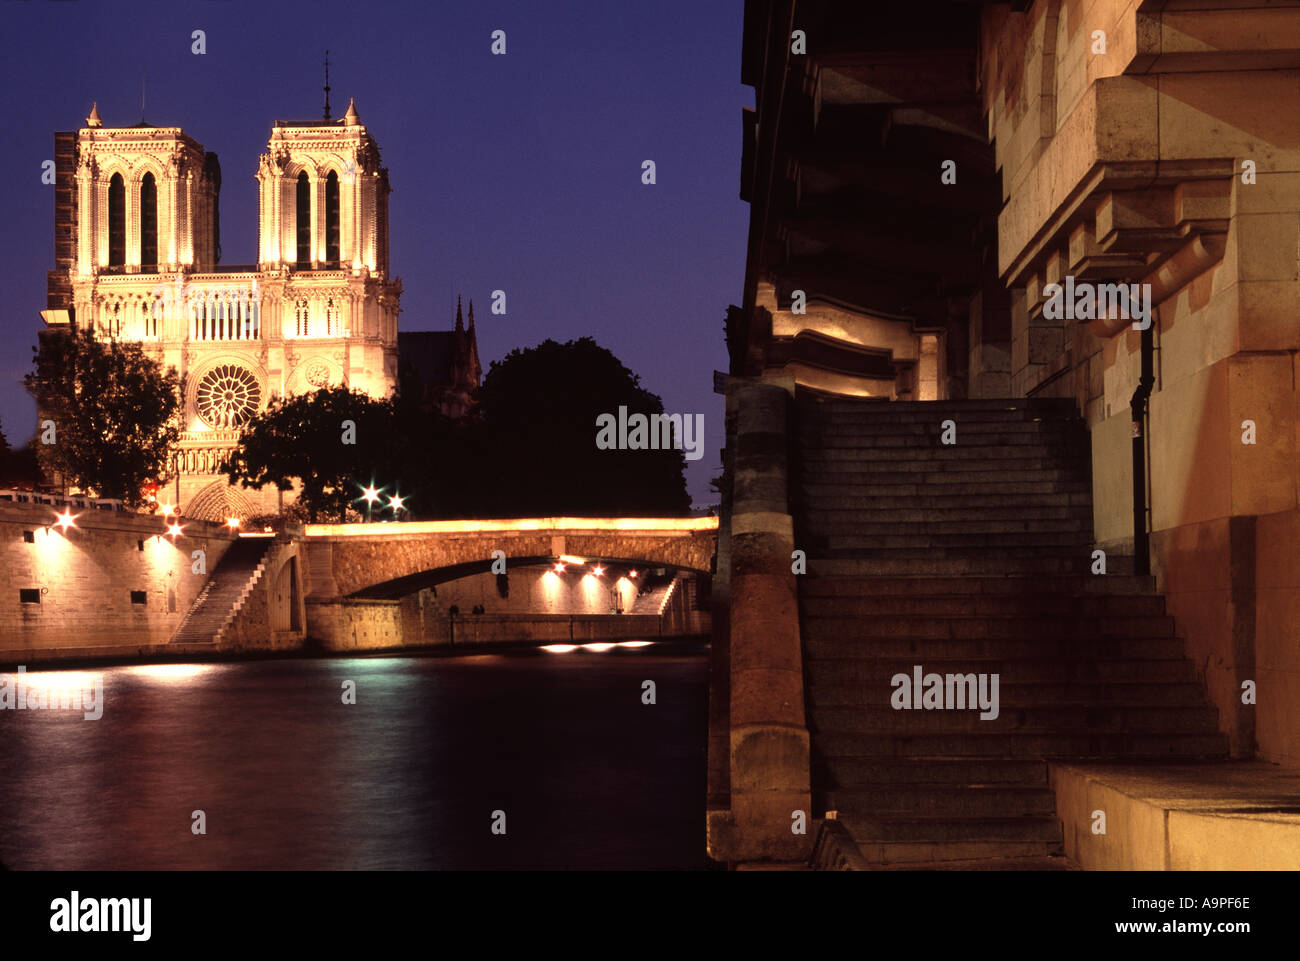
(327, 84)
(471, 313)
(460, 323)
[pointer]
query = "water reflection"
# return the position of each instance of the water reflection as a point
(289, 776)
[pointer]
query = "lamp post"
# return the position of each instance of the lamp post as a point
(369, 495)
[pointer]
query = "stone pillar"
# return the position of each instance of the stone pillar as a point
(317, 221)
(86, 230)
(101, 223)
(769, 745)
(990, 342)
(719, 751)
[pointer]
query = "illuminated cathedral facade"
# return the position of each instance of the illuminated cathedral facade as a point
(137, 257)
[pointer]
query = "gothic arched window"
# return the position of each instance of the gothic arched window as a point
(304, 221)
(116, 221)
(332, 220)
(148, 224)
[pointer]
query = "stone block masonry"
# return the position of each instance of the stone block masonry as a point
(110, 584)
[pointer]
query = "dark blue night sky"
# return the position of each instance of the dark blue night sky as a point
(520, 172)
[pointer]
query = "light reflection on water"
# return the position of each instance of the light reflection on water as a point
(289, 776)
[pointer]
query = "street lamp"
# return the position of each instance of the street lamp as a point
(369, 495)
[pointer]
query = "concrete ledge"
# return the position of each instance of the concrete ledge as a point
(1212, 816)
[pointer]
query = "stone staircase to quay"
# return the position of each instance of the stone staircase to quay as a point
(229, 586)
(969, 558)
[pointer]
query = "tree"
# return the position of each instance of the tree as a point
(115, 414)
(307, 438)
(537, 445)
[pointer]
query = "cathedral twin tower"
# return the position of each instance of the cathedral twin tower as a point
(137, 257)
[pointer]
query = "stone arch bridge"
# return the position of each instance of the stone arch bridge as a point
(391, 560)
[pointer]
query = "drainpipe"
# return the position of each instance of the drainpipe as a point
(1138, 405)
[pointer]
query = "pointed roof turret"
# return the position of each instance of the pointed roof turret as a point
(93, 120)
(460, 323)
(471, 313)
(351, 118)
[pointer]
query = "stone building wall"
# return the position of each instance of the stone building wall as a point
(1131, 164)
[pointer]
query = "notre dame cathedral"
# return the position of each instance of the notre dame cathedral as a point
(137, 256)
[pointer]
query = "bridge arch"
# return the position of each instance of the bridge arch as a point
(386, 561)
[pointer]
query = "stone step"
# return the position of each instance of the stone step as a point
(1081, 744)
(890, 445)
(923, 855)
(1044, 562)
(1020, 446)
(961, 458)
(928, 800)
(858, 628)
(1069, 547)
(945, 509)
(902, 507)
(983, 406)
(1049, 862)
(821, 640)
(1044, 719)
(854, 772)
(867, 426)
(1047, 562)
(1015, 691)
(1009, 544)
(1109, 674)
(854, 524)
(818, 489)
(1068, 585)
(912, 473)
(984, 605)
(871, 830)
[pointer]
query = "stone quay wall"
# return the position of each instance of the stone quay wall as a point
(112, 584)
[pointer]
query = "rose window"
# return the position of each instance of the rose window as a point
(318, 375)
(228, 396)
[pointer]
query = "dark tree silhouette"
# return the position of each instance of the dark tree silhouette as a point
(537, 438)
(116, 414)
(305, 438)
